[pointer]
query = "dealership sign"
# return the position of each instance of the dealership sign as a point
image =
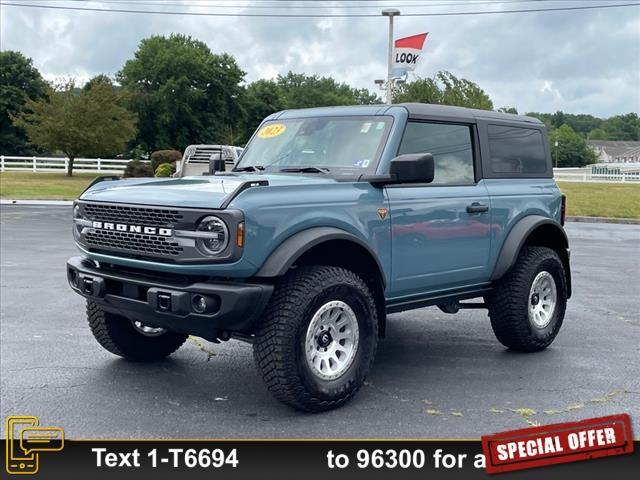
(407, 51)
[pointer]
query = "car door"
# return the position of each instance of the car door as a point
(441, 231)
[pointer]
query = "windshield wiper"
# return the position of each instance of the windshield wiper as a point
(249, 168)
(306, 170)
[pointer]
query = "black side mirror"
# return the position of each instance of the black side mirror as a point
(216, 163)
(412, 168)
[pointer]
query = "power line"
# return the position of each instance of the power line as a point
(386, 2)
(307, 7)
(312, 15)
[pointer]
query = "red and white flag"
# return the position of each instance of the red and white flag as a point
(407, 51)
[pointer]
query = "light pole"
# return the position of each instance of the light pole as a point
(390, 12)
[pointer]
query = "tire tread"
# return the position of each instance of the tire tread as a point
(116, 335)
(275, 335)
(508, 311)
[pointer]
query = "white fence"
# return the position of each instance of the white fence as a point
(58, 164)
(597, 174)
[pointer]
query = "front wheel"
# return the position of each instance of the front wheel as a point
(131, 339)
(527, 306)
(318, 338)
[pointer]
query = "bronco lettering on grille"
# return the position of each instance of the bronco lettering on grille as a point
(121, 227)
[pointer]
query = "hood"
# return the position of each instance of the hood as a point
(190, 192)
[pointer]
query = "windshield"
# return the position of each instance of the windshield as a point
(341, 145)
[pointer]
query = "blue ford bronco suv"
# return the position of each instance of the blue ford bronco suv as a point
(332, 219)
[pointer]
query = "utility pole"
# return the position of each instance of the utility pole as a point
(390, 12)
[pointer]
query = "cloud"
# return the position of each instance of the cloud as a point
(580, 61)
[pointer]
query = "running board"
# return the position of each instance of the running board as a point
(448, 298)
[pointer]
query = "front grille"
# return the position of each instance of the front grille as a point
(120, 234)
(133, 242)
(148, 217)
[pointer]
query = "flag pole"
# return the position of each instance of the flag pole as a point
(390, 12)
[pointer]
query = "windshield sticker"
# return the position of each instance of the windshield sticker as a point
(365, 163)
(380, 126)
(365, 127)
(273, 130)
(361, 163)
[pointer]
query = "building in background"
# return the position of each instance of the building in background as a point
(616, 151)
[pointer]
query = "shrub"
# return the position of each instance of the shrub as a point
(164, 156)
(138, 153)
(165, 169)
(138, 168)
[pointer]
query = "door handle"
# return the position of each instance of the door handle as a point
(476, 207)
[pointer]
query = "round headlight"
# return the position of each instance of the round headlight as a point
(217, 237)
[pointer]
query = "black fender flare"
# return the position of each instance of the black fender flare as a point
(286, 254)
(519, 235)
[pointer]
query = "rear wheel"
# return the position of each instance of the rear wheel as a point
(131, 339)
(318, 338)
(527, 306)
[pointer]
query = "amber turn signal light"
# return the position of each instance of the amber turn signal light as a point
(240, 235)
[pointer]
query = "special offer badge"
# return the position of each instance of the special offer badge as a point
(558, 443)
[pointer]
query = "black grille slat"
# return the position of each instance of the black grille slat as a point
(118, 230)
(148, 217)
(134, 242)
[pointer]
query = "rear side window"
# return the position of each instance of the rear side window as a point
(517, 151)
(450, 146)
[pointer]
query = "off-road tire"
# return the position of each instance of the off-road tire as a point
(118, 335)
(509, 301)
(279, 347)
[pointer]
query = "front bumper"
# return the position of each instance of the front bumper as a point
(158, 302)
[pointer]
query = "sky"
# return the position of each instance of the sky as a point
(578, 61)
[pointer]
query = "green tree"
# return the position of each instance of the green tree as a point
(422, 90)
(182, 92)
(19, 82)
(446, 89)
(571, 150)
(597, 134)
(295, 90)
(558, 119)
(581, 123)
(298, 90)
(261, 99)
(88, 122)
(513, 110)
(622, 127)
(543, 117)
(365, 97)
(101, 79)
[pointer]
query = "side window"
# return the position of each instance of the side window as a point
(450, 146)
(516, 151)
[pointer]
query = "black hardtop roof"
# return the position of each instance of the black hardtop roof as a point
(444, 112)
(448, 111)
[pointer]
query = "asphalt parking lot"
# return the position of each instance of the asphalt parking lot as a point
(436, 375)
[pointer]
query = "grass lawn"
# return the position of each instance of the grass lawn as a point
(617, 200)
(583, 199)
(43, 186)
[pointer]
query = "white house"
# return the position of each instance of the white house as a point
(616, 151)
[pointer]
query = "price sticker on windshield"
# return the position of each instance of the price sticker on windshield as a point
(272, 130)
